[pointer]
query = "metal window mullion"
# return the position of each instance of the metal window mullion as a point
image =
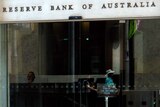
(3, 67)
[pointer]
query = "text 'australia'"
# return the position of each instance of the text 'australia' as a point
(128, 5)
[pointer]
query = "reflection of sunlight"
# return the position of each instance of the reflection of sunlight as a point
(137, 24)
(116, 59)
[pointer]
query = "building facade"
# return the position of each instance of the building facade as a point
(68, 47)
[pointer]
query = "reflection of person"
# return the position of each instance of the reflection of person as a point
(109, 81)
(30, 77)
(92, 87)
(109, 88)
(30, 97)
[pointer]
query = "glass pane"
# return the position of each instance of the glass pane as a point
(41, 69)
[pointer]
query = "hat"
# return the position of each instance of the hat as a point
(109, 71)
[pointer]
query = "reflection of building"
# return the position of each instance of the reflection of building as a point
(49, 49)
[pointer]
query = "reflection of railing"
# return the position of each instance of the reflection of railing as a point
(51, 78)
(48, 87)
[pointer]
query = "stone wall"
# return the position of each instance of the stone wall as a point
(147, 54)
(23, 51)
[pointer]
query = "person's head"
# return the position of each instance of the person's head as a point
(30, 77)
(109, 73)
